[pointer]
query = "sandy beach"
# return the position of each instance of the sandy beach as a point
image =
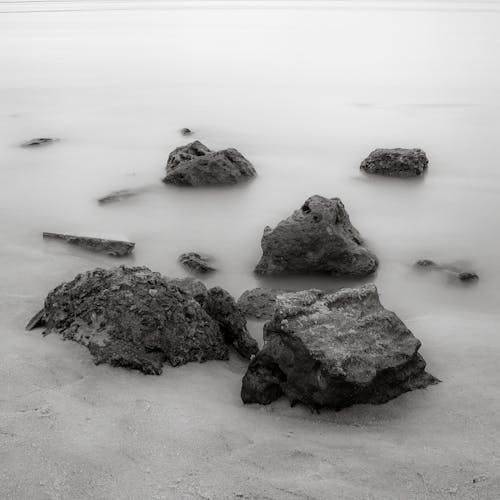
(306, 98)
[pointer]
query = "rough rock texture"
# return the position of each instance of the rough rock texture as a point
(334, 350)
(455, 270)
(318, 237)
(221, 306)
(114, 196)
(196, 165)
(136, 318)
(116, 248)
(259, 303)
(196, 263)
(39, 141)
(397, 162)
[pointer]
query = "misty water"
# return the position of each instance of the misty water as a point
(305, 92)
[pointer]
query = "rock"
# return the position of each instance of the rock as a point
(37, 320)
(196, 165)
(116, 248)
(259, 303)
(233, 324)
(398, 162)
(39, 141)
(195, 262)
(114, 196)
(186, 131)
(192, 286)
(133, 317)
(454, 269)
(334, 350)
(318, 237)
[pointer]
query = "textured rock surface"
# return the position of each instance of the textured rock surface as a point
(116, 248)
(39, 141)
(196, 165)
(397, 162)
(222, 308)
(196, 263)
(334, 350)
(136, 318)
(259, 303)
(318, 237)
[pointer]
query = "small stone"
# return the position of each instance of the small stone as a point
(115, 196)
(186, 131)
(468, 276)
(39, 141)
(397, 162)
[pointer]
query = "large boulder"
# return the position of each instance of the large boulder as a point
(397, 162)
(259, 303)
(116, 248)
(334, 350)
(319, 237)
(136, 318)
(196, 165)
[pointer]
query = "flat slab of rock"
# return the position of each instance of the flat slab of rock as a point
(319, 237)
(136, 318)
(39, 141)
(117, 248)
(115, 196)
(454, 270)
(196, 263)
(397, 162)
(196, 165)
(259, 303)
(334, 350)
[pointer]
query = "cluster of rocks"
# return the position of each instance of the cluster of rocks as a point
(454, 270)
(321, 349)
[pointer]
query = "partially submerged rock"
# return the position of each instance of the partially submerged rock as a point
(456, 271)
(397, 162)
(186, 131)
(334, 350)
(319, 237)
(39, 141)
(221, 306)
(196, 263)
(117, 248)
(196, 165)
(136, 318)
(115, 196)
(259, 303)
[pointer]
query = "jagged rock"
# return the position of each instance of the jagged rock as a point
(133, 317)
(186, 131)
(195, 262)
(39, 141)
(334, 350)
(117, 248)
(455, 270)
(196, 165)
(397, 162)
(233, 324)
(136, 318)
(318, 237)
(259, 303)
(114, 196)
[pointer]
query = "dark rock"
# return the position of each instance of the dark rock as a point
(318, 237)
(116, 248)
(186, 131)
(195, 262)
(259, 303)
(425, 263)
(133, 317)
(37, 320)
(222, 308)
(196, 165)
(192, 286)
(398, 162)
(114, 196)
(454, 269)
(334, 350)
(39, 141)
(467, 276)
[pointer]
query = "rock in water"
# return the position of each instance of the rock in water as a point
(456, 271)
(114, 196)
(186, 131)
(196, 263)
(196, 165)
(319, 237)
(133, 317)
(39, 141)
(334, 350)
(117, 248)
(221, 306)
(259, 303)
(397, 162)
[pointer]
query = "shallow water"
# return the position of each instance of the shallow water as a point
(305, 94)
